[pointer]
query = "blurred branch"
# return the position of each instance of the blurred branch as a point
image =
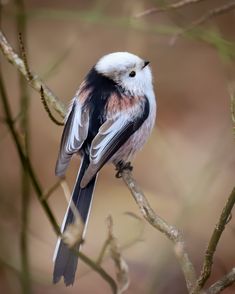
(10, 267)
(120, 264)
(204, 18)
(232, 103)
(223, 283)
(103, 250)
(48, 193)
(25, 162)
(35, 82)
(52, 68)
(24, 129)
(209, 254)
(99, 270)
(172, 233)
(173, 6)
(212, 13)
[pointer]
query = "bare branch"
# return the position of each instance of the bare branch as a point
(223, 283)
(160, 224)
(173, 6)
(21, 22)
(36, 83)
(99, 270)
(204, 18)
(24, 159)
(103, 250)
(209, 255)
(49, 192)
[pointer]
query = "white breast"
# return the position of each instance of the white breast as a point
(139, 138)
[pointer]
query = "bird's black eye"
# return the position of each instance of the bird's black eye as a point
(132, 74)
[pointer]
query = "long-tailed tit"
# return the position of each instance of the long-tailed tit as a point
(109, 120)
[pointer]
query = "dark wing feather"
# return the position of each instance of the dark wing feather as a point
(111, 136)
(74, 134)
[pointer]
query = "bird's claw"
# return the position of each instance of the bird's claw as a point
(121, 166)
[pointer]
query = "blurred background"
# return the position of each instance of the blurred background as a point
(186, 169)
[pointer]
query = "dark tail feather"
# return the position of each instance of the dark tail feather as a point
(65, 259)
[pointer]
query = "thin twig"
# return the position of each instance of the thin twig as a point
(100, 270)
(24, 128)
(36, 83)
(173, 6)
(204, 18)
(12, 268)
(209, 254)
(160, 224)
(103, 250)
(25, 162)
(121, 266)
(58, 123)
(223, 283)
(51, 190)
(232, 102)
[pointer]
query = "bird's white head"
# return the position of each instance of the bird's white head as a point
(129, 71)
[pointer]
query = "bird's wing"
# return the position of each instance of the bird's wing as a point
(115, 131)
(74, 134)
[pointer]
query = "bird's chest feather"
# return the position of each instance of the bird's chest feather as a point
(138, 139)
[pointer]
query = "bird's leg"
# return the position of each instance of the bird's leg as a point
(121, 166)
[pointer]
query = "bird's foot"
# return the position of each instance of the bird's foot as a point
(121, 166)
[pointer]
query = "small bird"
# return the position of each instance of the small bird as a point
(109, 120)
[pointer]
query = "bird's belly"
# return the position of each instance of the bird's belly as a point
(135, 142)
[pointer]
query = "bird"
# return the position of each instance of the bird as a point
(109, 119)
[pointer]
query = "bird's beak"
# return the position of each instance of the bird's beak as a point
(145, 63)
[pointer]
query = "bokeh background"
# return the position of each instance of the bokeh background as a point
(186, 169)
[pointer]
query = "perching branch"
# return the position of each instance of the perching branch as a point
(209, 254)
(171, 232)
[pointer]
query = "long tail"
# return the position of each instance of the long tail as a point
(65, 261)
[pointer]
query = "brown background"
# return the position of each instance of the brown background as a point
(186, 169)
